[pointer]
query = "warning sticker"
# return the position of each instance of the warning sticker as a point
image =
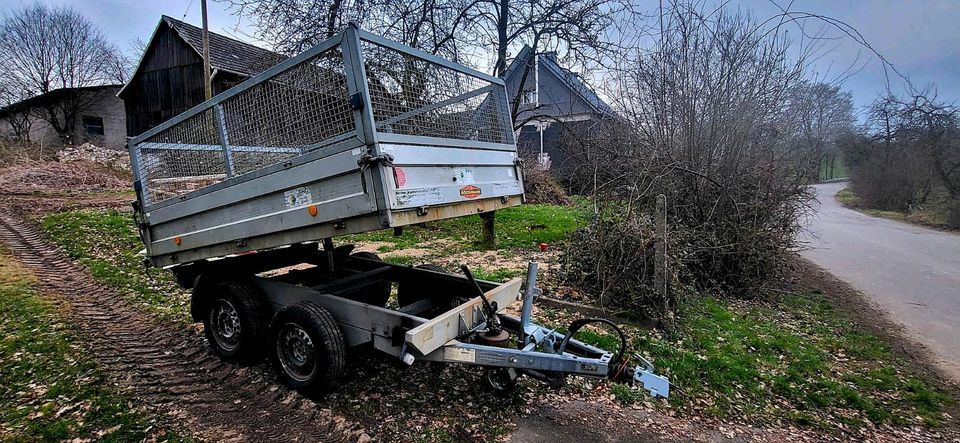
(459, 354)
(297, 197)
(418, 196)
(504, 188)
(465, 175)
(470, 191)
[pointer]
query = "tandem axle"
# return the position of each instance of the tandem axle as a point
(305, 319)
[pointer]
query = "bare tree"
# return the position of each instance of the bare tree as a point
(452, 28)
(19, 122)
(910, 150)
(53, 48)
(818, 115)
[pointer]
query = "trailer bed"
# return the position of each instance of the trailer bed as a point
(356, 134)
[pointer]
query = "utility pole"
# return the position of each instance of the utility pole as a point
(207, 87)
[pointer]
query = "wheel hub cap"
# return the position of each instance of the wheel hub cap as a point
(226, 325)
(296, 352)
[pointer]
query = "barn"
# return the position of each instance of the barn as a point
(169, 78)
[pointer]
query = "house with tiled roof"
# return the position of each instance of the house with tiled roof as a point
(169, 78)
(551, 102)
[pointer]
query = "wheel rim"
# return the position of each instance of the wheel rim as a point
(226, 325)
(501, 379)
(296, 352)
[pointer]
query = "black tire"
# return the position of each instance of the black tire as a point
(376, 295)
(408, 294)
(235, 321)
(501, 380)
(307, 348)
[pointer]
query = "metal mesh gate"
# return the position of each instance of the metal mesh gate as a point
(311, 102)
(302, 108)
(413, 96)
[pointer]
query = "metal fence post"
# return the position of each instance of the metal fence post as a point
(224, 141)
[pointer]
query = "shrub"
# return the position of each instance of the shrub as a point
(736, 190)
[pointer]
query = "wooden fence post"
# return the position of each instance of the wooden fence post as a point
(661, 279)
(489, 240)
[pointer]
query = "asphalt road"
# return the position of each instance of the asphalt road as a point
(910, 271)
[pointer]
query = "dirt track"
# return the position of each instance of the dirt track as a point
(169, 370)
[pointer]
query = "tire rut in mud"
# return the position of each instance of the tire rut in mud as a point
(171, 371)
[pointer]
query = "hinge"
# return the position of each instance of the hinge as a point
(356, 101)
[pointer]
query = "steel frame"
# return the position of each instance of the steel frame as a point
(405, 334)
(241, 200)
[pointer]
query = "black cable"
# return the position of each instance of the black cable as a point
(577, 324)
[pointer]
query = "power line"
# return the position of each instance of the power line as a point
(188, 10)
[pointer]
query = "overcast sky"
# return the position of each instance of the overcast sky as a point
(921, 38)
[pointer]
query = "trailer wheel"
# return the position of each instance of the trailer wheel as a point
(502, 380)
(308, 350)
(408, 294)
(376, 295)
(235, 321)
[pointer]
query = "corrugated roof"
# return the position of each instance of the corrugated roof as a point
(227, 53)
(570, 79)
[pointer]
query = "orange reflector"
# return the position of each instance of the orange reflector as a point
(312, 210)
(177, 240)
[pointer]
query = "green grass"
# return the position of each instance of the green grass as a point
(839, 170)
(521, 227)
(798, 359)
(626, 394)
(932, 215)
(106, 243)
(498, 275)
(50, 389)
(846, 198)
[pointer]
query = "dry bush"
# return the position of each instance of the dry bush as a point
(705, 125)
(908, 156)
(13, 151)
(540, 185)
(25, 174)
(887, 177)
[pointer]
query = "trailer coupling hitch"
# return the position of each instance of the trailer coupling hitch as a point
(645, 376)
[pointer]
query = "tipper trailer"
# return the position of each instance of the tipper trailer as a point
(241, 197)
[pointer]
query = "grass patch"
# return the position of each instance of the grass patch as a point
(626, 394)
(50, 390)
(107, 244)
(933, 215)
(827, 173)
(403, 260)
(520, 227)
(846, 198)
(797, 359)
(498, 275)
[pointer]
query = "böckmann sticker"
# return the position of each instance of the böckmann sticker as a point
(470, 191)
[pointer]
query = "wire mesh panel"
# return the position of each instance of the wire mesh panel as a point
(295, 112)
(414, 96)
(182, 158)
(300, 109)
